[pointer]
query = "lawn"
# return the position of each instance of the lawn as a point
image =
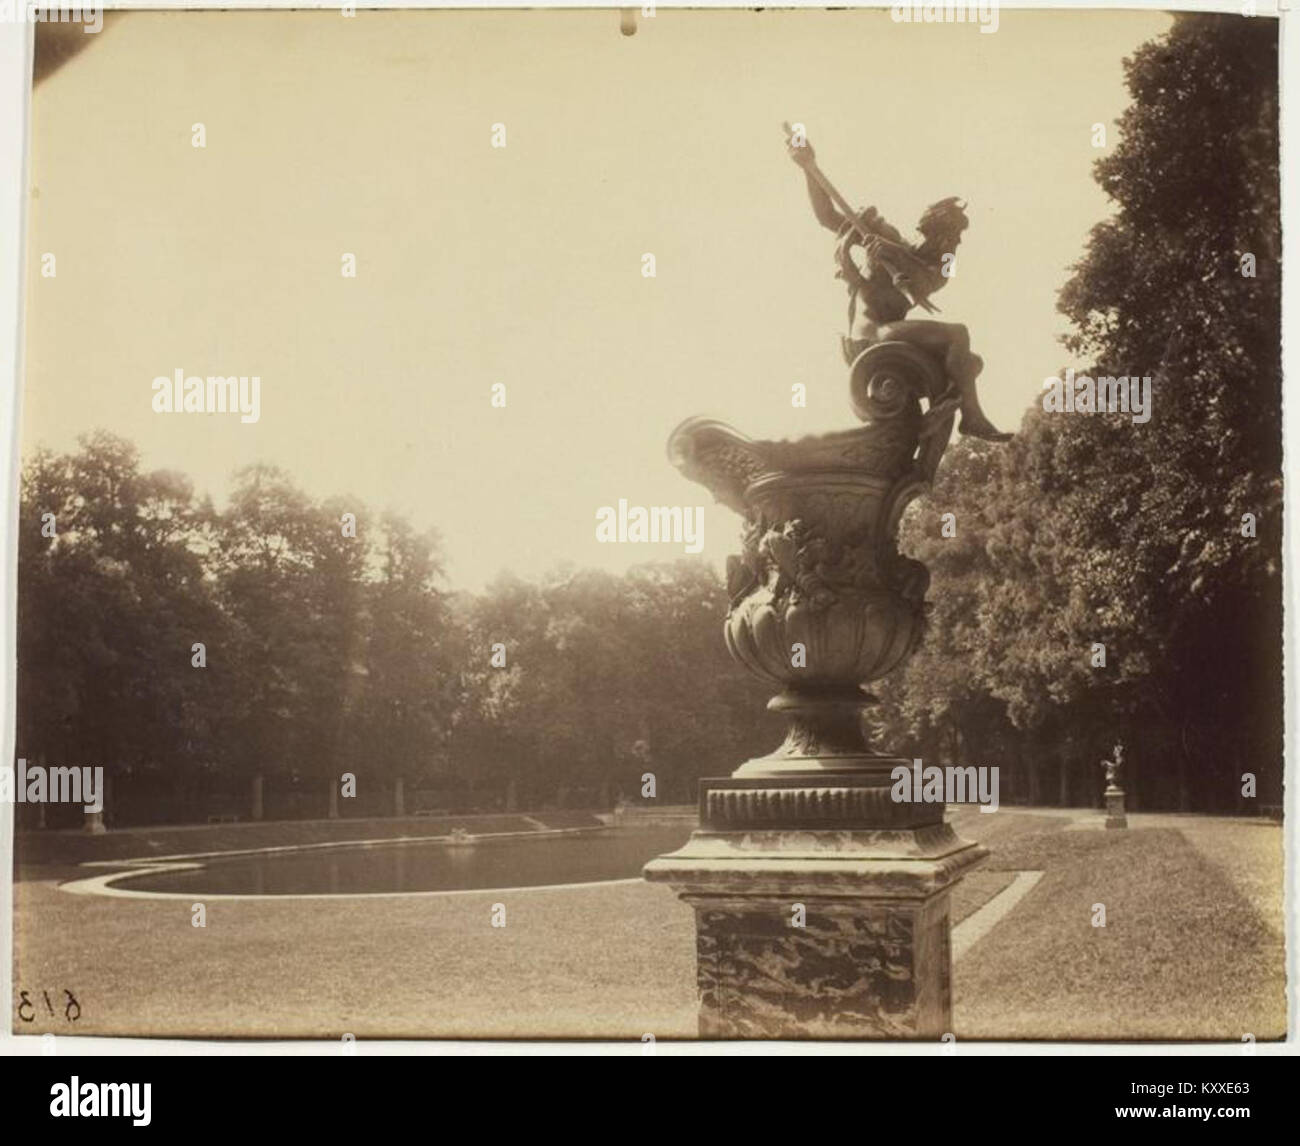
(1182, 955)
(1186, 952)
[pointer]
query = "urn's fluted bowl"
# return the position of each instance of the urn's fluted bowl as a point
(826, 604)
(851, 641)
(819, 595)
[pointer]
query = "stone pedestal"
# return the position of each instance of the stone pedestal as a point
(810, 925)
(1115, 814)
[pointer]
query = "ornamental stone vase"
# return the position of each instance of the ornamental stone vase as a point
(822, 903)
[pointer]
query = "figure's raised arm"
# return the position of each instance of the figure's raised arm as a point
(804, 156)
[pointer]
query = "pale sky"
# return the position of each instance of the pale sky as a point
(522, 264)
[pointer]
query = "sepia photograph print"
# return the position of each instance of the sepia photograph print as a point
(650, 526)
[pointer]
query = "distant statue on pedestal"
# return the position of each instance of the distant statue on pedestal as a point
(1115, 813)
(1113, 767)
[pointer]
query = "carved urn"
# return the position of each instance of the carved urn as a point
(822, 602)
(821, 901)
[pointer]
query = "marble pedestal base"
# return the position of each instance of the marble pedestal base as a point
(821, 909)
(1115, 814)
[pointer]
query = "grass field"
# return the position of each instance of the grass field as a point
(1192, 948)
(1183, 953)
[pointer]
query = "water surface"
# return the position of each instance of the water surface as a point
(618, 853)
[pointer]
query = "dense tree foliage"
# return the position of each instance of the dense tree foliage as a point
(1136, 536)
(328, 651)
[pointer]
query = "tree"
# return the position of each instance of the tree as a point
(412, 657)
(1166, 288)
(112, 596)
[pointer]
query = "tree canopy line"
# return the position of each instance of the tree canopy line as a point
(1158, 543)
(329, 650)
